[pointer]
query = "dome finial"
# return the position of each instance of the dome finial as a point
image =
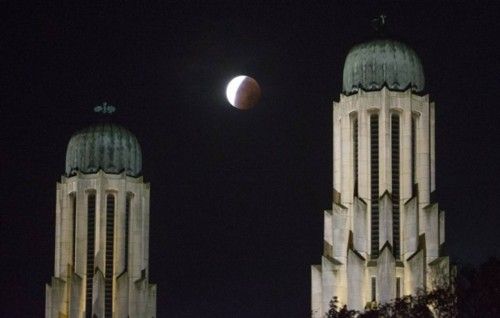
(379, 23)
(105, 108)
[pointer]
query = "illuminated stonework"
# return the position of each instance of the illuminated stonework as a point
(102, 241)
(384, 236)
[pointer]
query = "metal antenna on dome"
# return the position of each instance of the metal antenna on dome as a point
(105, 108)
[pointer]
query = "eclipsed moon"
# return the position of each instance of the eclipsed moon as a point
(243, 92)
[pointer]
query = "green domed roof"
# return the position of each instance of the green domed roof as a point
(372, 65)
(109, 147)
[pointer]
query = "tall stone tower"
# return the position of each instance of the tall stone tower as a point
(102, 230)
(384, 236)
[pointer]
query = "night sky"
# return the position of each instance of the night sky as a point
(237, 197)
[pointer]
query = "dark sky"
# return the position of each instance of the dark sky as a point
(237, 198)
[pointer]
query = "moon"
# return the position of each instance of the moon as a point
(243, 92)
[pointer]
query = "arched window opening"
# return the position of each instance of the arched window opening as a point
(374, 165)
(398, 287)
(72, 198)
(108, 284)
(374, 289)
(395, 148)
(91, 203)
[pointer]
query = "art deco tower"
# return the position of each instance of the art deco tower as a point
(384, 235)
(102, 230)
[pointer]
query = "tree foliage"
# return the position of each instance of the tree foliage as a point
(441, 303)
(474, 293)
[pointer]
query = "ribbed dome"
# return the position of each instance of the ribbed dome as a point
(373, 64)
(109, 147)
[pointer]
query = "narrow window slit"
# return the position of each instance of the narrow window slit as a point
(374, 145)
(108, 284)
(395, 132)
(91, 203)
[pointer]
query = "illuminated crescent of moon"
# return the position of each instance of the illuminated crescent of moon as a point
(232, 88)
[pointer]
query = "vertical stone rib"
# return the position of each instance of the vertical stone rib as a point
(414, 147)
(127, 226)
(386, 276)
(328, 232)
(345, 144)
(385, 220)
(423, 156)
(66, 232)
(355, 154)
(360, 227)
(73, 217)
(363, 153)
(406, 153)
(410, 238)
(57, 261)
(355, 280)
(337, 175)
(146, 230)
(432, 124)
(316, 292)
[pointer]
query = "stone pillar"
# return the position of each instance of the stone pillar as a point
(316, 292)
(384, 148)
(410, 228)
(346, 164)
(423, 156)
(406, 160)
(386, 276)
(432, 231)
(360, 227)
(337, 174)
(385, 220)
(340, 232)
(364, 153)
(356, 278)
(433, 146)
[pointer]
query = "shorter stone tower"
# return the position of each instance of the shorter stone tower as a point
(384, 236)
(102, 230)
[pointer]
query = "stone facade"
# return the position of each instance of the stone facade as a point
(384, 235)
